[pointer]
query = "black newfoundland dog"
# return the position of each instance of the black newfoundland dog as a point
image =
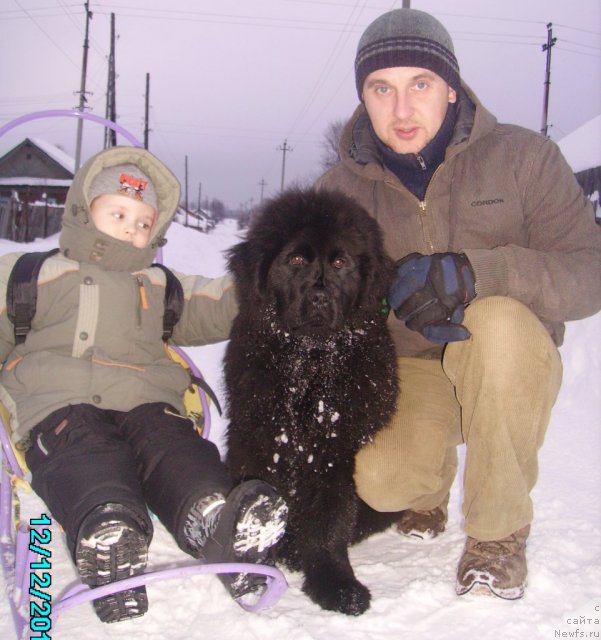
(310, 374)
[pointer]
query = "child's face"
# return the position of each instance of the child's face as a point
(123, 218)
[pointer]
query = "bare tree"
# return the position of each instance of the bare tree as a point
(217, 209)
(330, 145)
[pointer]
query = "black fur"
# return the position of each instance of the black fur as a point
(310, 375)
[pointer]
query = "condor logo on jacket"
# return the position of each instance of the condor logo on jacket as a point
(486, 203)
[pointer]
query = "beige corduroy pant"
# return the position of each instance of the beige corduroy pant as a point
(494, 392)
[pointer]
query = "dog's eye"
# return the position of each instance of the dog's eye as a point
(338, 263)
(297, 259)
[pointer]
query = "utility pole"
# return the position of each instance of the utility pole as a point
(110, 135)
(263, 185)
(82, 88)
(199, 194)
(547, 47)
(146, 111)
(186, 190)
(284, 148)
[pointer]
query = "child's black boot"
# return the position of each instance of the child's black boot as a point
(113, 545)
(244, 528)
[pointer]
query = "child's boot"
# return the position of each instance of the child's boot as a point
(113, 545)
(242, 528)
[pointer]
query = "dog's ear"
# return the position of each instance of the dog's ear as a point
(376, 272)
(240, 265)
(250, 268)
(375, 266)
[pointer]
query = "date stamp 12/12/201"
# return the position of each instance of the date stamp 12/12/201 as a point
(40, 578)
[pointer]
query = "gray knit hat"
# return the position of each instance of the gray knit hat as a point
(124, 180)
(406, 38)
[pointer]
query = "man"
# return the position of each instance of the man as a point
(496, 247)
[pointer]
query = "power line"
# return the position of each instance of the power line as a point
(328, 66)
(580, 44)
(565, 26)
(580, 53)
(224, 18)
(77, 25)
(37, 24)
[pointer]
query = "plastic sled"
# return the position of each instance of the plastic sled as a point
(22, 544)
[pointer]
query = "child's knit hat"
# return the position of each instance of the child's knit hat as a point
(406, 38)
(124, 180)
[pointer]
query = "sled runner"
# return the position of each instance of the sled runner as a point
(25, 552)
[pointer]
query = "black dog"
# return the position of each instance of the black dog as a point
(310, 374)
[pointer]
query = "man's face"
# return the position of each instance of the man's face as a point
(123, 218)
(406, 106)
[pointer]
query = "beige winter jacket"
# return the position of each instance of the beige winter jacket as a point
(96, 335)
(505, 196)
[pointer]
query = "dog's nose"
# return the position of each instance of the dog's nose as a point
(319, 298)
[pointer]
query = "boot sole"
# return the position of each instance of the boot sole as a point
(252, 521)
(114, 552)
(482, 584)
(261, 526)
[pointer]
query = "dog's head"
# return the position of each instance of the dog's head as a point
(316, 258)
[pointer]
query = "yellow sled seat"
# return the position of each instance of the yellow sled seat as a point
(196, 401)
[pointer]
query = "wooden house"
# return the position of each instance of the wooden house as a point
(36, 171)
(582, 150)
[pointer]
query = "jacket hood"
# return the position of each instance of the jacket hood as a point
(359, 152)
(81, 241)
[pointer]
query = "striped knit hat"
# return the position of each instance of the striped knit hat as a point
(124, 180)
(406, 38)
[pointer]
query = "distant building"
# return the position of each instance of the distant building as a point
(34, 179)
(36, 171)
(582, 150)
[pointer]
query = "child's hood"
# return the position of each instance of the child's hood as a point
(79, 238)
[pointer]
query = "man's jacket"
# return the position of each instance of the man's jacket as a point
(504, 196)
(96, 335)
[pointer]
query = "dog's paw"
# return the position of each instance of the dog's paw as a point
(345, 595)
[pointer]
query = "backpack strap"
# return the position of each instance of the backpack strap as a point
(174, 301)
(22, 291)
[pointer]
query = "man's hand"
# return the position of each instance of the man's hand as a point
(430, 293)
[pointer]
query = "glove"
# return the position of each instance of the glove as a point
(430, 292)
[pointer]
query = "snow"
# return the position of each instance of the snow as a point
(581, 148)
(412, 582)
(57, 154)
(28, 181)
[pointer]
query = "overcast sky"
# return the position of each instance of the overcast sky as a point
(231, 80)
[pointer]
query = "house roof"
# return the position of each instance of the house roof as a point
(64, 159)
(63, 165)
(581, 148)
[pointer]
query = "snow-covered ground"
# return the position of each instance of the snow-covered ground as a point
(412, 583)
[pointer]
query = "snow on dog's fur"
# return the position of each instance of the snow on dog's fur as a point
(310, 376)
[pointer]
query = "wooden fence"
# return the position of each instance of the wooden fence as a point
(23, 222)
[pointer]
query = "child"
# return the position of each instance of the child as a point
(97, 404)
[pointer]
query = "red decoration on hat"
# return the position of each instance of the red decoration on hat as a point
(131, 186)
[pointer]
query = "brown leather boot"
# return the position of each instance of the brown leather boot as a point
(495, 566)
(423, 525)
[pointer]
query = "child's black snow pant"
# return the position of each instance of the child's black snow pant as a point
(82, 456)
